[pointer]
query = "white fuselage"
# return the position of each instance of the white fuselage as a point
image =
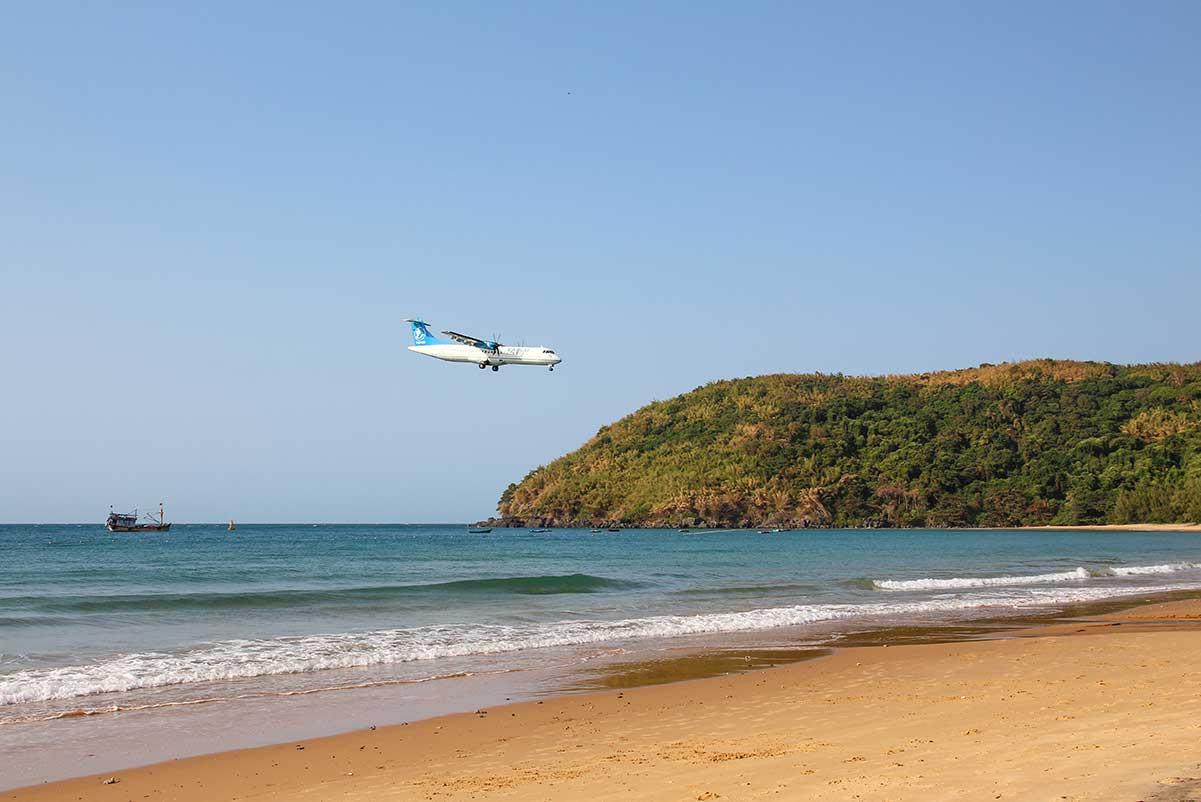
(504, 355)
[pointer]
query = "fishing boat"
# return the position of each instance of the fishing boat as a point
(538, 531)
(614, 529)
(472, 531)
(128, 522)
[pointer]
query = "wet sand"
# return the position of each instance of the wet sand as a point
(1103, 708)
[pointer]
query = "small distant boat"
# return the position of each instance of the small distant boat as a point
(765, 531)
(614, 529)
(538, 531)
(232, 527)
(128, 522)
(474, 531)
(597, 531)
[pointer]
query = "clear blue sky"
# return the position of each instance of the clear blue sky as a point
(214, 218)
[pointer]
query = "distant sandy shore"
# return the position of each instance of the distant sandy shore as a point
(1128, 527)
(1109, 708)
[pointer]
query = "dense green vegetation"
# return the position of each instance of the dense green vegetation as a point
(1040, 442)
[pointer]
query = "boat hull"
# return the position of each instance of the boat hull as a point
(138, 528)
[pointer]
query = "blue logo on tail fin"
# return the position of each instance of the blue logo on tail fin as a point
(422, 334)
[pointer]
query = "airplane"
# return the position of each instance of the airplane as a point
(485, 353)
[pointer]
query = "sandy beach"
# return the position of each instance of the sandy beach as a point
(1107, 708)
(1123, 528)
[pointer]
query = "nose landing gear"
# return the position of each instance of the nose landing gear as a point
(551, 368)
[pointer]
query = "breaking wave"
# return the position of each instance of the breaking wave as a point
(979, 581)
(1077, 575)
(1140, 570)
(248, 658)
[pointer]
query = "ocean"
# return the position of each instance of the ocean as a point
(105, 637)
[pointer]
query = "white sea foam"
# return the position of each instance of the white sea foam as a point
(980, 581)
(85, 712)
(1140, 570)
(244, 659)
(1077, 575)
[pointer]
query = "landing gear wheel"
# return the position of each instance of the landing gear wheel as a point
(551, 368)
(495, 368)
(482, 366)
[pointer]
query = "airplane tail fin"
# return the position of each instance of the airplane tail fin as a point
(422, 334)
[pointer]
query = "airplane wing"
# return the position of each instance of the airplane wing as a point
(466, 339)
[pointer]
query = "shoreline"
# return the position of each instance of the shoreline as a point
(572, 742)
(390, 631)
(1121, 528)
(775, 529)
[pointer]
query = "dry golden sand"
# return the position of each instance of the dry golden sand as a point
(1109, 709)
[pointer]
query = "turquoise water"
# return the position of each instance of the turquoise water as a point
(92, 621)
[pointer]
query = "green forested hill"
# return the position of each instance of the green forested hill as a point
(1028, 443)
